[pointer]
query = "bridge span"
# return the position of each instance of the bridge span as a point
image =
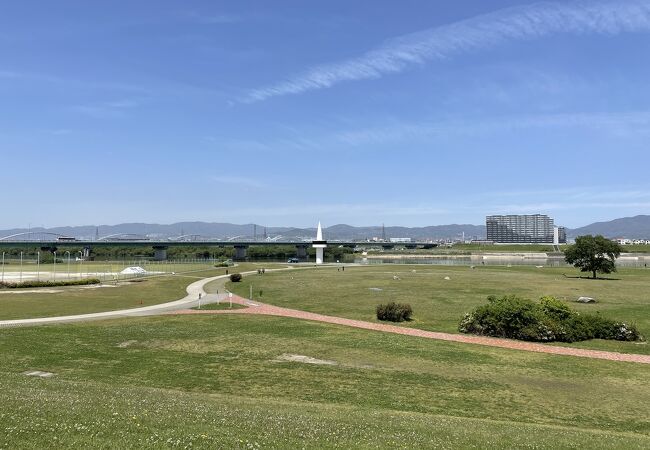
(160, 246)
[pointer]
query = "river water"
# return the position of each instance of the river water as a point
(635, 261)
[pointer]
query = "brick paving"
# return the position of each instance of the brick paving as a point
(270, 310)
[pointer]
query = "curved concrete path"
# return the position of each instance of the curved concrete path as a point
(191, 300)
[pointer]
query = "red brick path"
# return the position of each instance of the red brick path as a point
(271, 310)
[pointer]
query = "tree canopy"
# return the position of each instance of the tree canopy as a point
(593, 254)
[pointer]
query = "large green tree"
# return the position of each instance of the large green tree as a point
(593, 254)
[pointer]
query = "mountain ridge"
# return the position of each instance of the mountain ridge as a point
(637, 227)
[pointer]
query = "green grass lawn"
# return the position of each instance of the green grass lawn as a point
(216, 382)
(439, 304)
(48, 302)
(636, 248)
(220, 306)
(106, 270)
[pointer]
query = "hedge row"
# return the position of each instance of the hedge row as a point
(37, 284)
(547, 321)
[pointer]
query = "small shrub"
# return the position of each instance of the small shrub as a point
(394, 312)
(235, 277)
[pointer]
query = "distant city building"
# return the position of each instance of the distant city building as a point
(524, 229)
(625, 241)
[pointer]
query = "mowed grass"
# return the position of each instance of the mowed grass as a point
(105, 270)
(439, 304)
(219, 306)
(215, 382)
(59, 301)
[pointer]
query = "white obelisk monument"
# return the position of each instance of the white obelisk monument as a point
(319, 244)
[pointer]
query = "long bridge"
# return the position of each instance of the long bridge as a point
(52, 242)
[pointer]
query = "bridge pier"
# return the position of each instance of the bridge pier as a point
(301, 251)
(160, 252)
(240, 252)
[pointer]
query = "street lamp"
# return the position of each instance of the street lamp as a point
(21, 267)
(38, 266)
(3, 267)
(54, 266)
(81, 259)
(68, 252)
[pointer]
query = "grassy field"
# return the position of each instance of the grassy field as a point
(48, 302)
(219, 306)
(106, 271)
(439, 304)
(638, 248)
(225, 382)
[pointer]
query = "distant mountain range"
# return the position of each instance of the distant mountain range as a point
(637, 227)
(628, 227)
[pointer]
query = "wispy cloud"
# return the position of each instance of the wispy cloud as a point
(477, 33)
(9, 74)
(61, 132)
(239, 181)
(219, 19)
(109, 109)
(566, 203)
(620, 124)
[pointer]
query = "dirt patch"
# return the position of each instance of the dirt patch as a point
(126, 344)
(285, 357)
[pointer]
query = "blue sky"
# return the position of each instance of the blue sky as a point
(289, 112)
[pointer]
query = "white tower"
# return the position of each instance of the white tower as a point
(319, 244)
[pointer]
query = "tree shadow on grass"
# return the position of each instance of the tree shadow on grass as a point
(590, 278)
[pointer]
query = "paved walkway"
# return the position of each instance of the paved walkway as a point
(270, 310)
(189, 301)
(183, 306)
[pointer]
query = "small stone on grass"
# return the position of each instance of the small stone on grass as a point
(38, 373)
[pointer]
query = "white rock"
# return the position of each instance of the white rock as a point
(134, 271)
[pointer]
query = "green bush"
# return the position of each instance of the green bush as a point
(394, 312)
(547, 321)
(37, 284)
(226, 263)
(235, 277)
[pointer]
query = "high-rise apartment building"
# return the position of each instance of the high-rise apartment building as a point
(523, 229)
